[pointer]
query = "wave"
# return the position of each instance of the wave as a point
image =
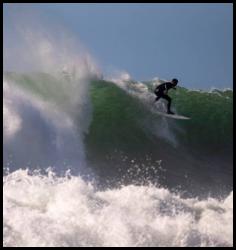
(119, 152)
(127, 133)
(120, 128)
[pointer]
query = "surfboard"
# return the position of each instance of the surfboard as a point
(175, 116)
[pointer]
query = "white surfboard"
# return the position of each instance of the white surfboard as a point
(175, 116)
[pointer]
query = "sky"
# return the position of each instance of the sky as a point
(191, 42)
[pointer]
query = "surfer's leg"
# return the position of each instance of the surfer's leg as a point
(157, 98)
(159, 95)
(168, 104)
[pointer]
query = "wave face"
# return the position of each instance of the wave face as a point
(90, 163)
(128, 134)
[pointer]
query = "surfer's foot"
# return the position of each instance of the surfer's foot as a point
(170, 112)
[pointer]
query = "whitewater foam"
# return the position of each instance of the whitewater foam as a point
(12, 121)
(70, 212)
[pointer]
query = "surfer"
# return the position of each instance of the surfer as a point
(162, 90)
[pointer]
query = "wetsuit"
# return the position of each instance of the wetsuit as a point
(161, 92)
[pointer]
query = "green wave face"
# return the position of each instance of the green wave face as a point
(211, 123)
(118, 119)
(122, 120)
(126, 135)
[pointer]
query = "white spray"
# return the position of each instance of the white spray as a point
(69, 212)
(39, 131)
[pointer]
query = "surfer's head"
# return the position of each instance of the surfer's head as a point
(174, 81)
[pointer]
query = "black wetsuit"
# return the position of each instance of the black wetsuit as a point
(160, 93)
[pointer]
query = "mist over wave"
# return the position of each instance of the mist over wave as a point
(45, 93)
(39, 133)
